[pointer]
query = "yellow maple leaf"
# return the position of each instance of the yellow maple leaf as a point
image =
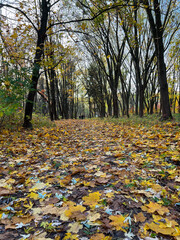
(156, 187)
(100, 236)
(163, 226)
(69, 236)
(118, 222)
(74, 209)
(92, 200)
(29, 205)
(155, 207)
(154, 227)
(165, 221)
(33, 195)
(109, 194)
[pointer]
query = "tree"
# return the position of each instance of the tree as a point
(109, 47)
(154, 14)
(41, 31)
(157, 29)
(139, 42)
(95, 84)
(41, 36)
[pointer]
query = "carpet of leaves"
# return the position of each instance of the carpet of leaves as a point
(90, 179)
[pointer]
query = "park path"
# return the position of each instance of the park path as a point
(90, 179)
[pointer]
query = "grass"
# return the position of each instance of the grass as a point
(40, 121)
(146, 120)
(14, 122)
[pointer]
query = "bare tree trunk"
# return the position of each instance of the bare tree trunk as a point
(115, 104)
(36, 66)
(157, 32)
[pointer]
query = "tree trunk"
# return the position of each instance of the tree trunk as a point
(137, 99)
(52, 75)
(36, 66)
(165, 104)
(103, 109)
(157, 32)
(115, 104)
(109, 104)
(151, 106)
(141, 101)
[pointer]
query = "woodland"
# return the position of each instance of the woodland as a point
(89, 120)
(67, 59)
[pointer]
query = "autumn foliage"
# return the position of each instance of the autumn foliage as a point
(90, 179)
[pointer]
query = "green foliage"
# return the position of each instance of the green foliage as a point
(40, 121)
(13, 85)
(14, 121)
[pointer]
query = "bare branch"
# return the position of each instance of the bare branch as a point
(54, 3)
(10, 6)
(89, 19)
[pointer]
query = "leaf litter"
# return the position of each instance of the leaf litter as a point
(90, 179)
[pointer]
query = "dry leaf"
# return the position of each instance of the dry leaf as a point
(92, 200)
(118, 222)
(93, 216)
(155, 207)
(73, 210)
(100, 236)
(75, 227)
(139, 217)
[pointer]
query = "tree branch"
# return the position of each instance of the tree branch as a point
(10, 6)
(89, 19)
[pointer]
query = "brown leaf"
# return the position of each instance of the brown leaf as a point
(139, 217)
(5, 192)
(102, 180)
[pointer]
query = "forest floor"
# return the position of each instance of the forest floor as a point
(90, 179)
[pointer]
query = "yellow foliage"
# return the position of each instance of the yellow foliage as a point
(92, 200)
(155, 207)
(69, 236)
(163, 226)
(100, 236)
(118, 222)
(74, 209)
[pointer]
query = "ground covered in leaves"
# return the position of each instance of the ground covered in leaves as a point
(90, 179)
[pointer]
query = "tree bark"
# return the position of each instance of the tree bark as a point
(36, 66)
(115, 104)
(157, 32)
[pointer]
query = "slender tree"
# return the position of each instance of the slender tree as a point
(157, 29)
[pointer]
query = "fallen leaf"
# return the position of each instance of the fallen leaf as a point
(139, 217)
(92, 200)
(74, 227)
(155, 207)
(118, 222)
(93, 216)
(74, 209)
(100, 236)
